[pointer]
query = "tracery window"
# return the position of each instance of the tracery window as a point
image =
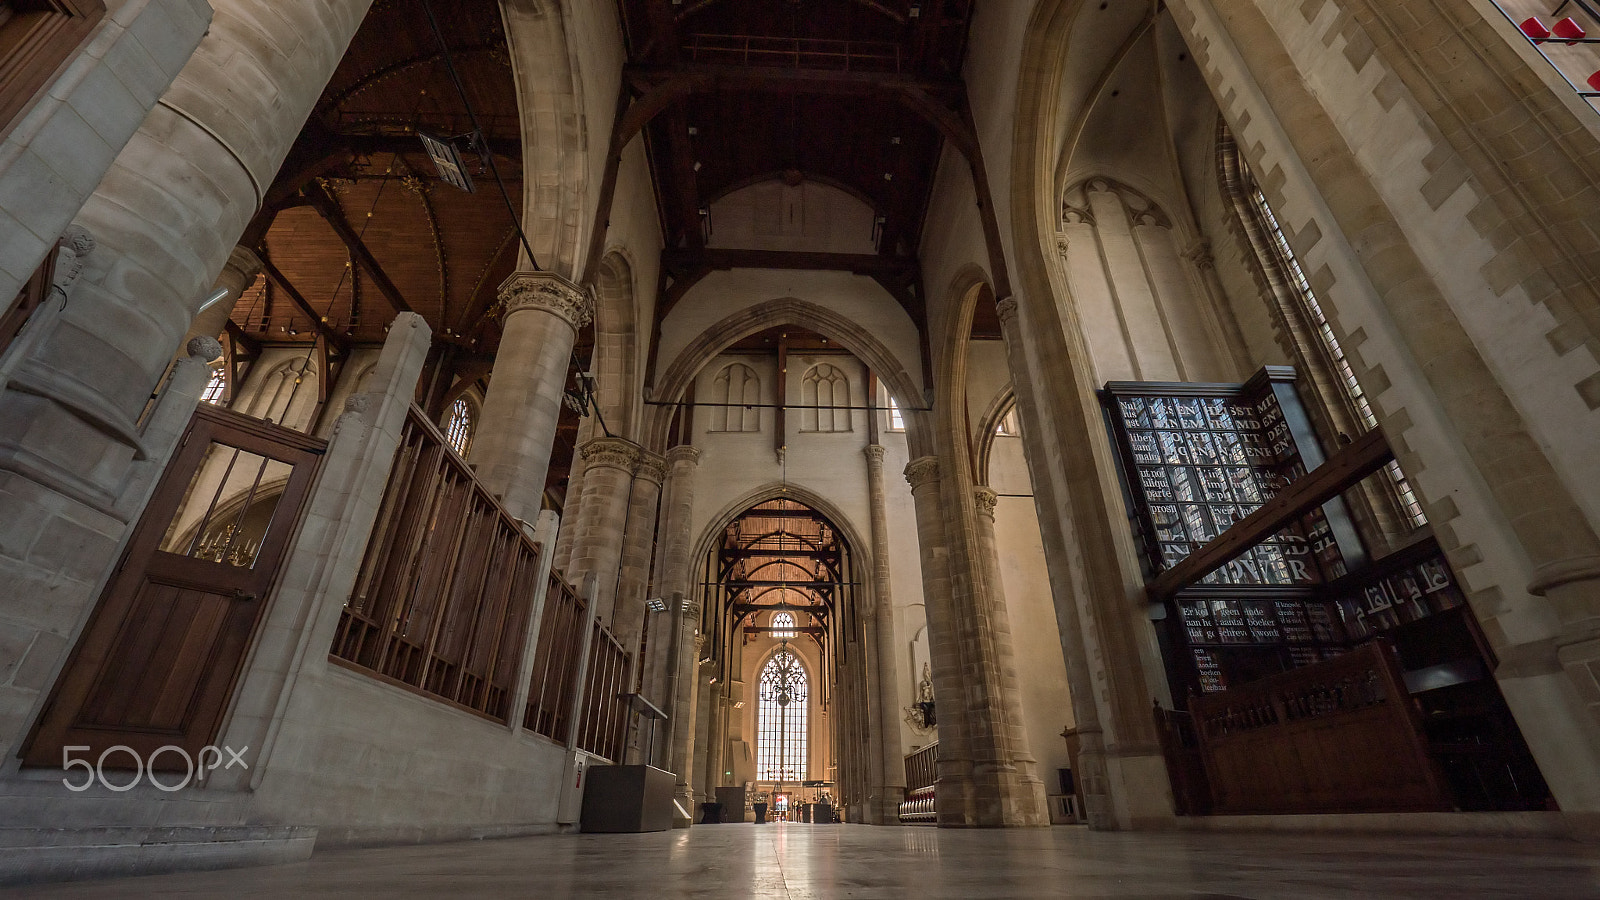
(825, 396)
(737, 389)
(216, 389)
(781, 738)
(459, 428)
(1309, 328)
(782, 625)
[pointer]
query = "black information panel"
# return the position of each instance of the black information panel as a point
(1199, 457)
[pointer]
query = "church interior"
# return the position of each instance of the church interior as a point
(845, 447)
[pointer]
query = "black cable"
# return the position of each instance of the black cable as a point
(477, 131)
(494, 170)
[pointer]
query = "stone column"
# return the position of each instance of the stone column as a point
(890, 767)
(638, 538)
(955, 801)
(999, 627)
(542, 315)
(672, 577)
(609, 464)
(241, 271)
(1099, 772)
(165, 216)
(627, 617)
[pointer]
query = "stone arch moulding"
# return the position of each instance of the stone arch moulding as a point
(554, 135)
(1001, 406)
(675, 379)
(616, 327)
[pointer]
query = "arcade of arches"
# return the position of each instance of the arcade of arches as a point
(422, 418)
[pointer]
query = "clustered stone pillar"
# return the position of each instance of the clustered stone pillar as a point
(890, 768)
(954, 797)
(644, 501)
(602, 517)
(1092, 772)
(999, 628)
(675, 671)
(973, 665)
(542, 313)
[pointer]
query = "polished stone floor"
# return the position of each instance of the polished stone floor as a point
(807, 861)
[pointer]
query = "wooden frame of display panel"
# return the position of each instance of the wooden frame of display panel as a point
(1197, 458)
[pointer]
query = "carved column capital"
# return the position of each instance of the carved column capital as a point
(549, 292)
(611, 451)
(986, 500)
(1200, 255)
(873, 453)
(684, 453)
(922, 471)
(1006, 309)
(242, 264)
(652, 467)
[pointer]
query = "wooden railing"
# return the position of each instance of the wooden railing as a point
(555, 664)
(603, 728)
(922, 767)
(1337, 736)
(444, 593)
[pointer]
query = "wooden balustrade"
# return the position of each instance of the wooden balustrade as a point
(555, 661)
(1338, 736)
(922, 767)
(603, 728)
(444, 593)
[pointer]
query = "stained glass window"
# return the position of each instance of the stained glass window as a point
(781, 741)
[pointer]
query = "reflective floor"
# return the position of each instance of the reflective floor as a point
(821, 861)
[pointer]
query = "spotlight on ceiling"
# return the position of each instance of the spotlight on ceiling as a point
(656, 605)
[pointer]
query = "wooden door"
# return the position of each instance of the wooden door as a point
(157, 662)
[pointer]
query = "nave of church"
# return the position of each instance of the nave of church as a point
(961, 447)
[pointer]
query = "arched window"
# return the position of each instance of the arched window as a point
(781, 740)
(216, 389)
(897, 419)
(459, 427)
(1316, 347)
(1008, 425)
(825, 394)
(782, 625)
(737, 389)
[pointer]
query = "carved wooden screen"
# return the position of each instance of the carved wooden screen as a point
(35, 291)
(36, 36)
(157, 662)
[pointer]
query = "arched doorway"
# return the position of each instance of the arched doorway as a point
(786, 711)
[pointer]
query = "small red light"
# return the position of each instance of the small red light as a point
(1568, 30)
(1534, 28)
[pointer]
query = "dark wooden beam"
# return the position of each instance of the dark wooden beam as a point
(1342, 471)
(317, 321)
(325, 203)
